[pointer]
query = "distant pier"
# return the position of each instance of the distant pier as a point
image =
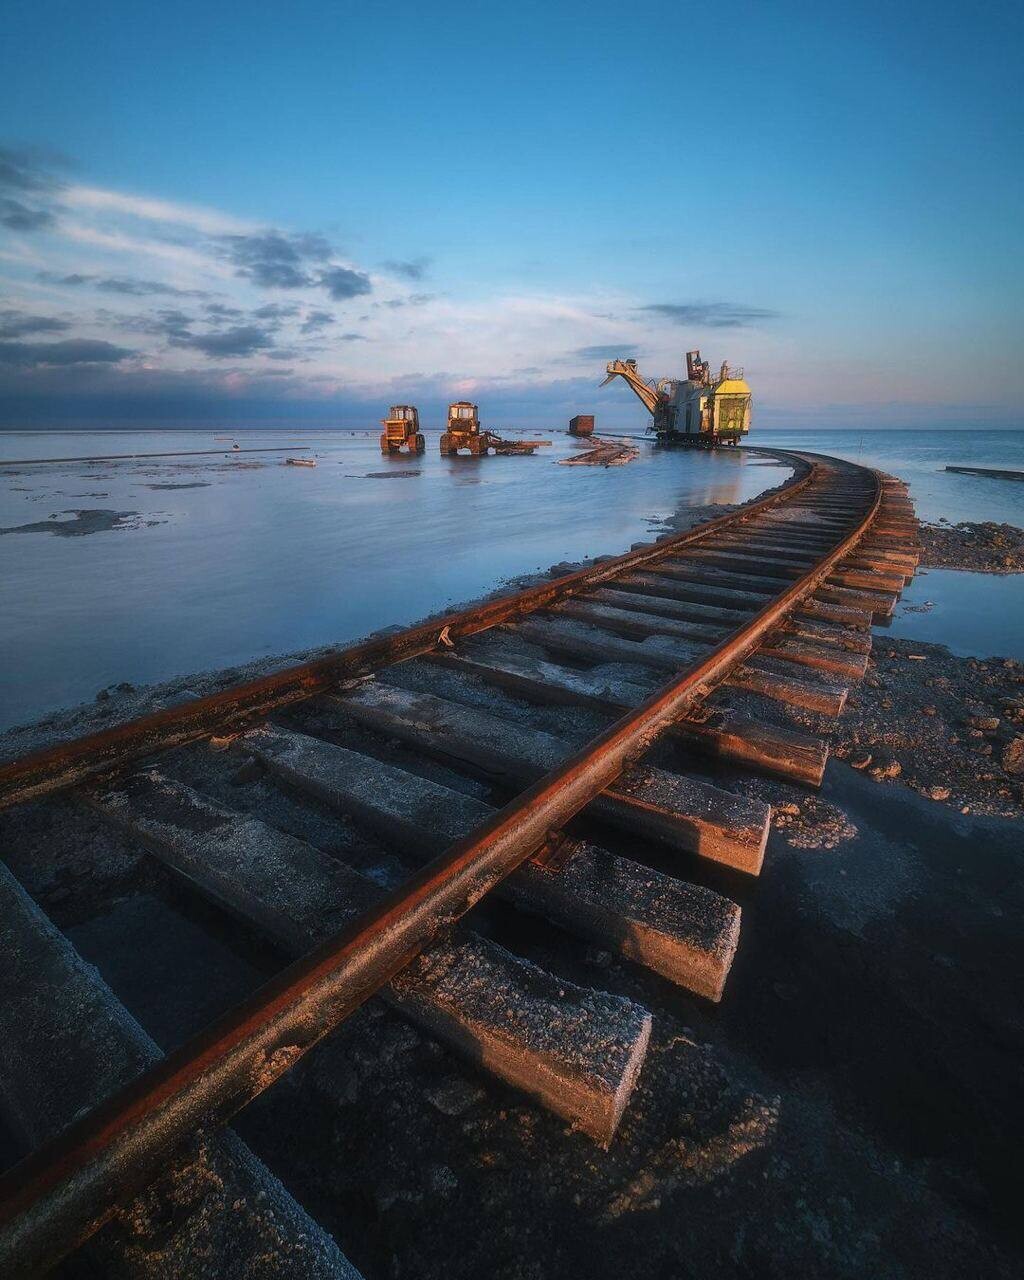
(988, 471)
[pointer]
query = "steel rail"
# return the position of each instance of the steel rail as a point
(66, 1190)
(68, 763)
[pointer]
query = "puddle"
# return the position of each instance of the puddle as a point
(976, 615)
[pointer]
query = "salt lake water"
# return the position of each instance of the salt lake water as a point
(145, 569)
(973, 614)
(150, 568)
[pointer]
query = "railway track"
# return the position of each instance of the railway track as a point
(538, 747)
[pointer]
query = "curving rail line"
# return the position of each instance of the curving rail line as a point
(770, 605)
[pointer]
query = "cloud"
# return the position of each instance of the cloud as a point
(19, 217)
(243, 340)
(712, 315)
(315, 321)
(209, 221)
(72, 351)
(217, 311)
(16, 324)
(415, 269)
(126, 286)
(609, 351)
(277, 311)
(342, 283)
(25, 191)
(20, 171)
(274, 260)
(353, 337)
(413, 300)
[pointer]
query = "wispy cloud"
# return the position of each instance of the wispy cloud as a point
(411, 269)
(127, 286)
(18, 324)
(72, 351)
(605, 351)
(243, 340)
(209, 221)
(711, 315)
(26, 191)
(315, 321)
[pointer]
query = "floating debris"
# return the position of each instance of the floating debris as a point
(602, 453)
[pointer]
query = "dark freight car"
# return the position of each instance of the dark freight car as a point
(582, 425)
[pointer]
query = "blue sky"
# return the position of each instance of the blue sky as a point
(216, 212)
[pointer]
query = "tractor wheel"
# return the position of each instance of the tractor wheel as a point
(385, 448)
(445, 445)
(421, 444)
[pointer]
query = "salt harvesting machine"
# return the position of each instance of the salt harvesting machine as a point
(701, 411)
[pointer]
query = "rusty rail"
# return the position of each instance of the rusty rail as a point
(69, 763)
(61, 1194)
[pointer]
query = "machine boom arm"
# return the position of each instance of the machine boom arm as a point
(626, 369)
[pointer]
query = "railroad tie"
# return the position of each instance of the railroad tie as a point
(631, 621)
(66, 1043)
(632, 596)
(812, 651)
(684, 932)
(576, 1051)
(681, 812)
(755, 676)
(665, 583)
(723, 735)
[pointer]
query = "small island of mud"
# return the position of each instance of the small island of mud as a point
(984, 547)
(85, 521)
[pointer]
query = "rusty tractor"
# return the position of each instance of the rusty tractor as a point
(401, 430)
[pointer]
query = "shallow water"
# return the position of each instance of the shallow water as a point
(146, 569)
(919, 458)
(977, 615)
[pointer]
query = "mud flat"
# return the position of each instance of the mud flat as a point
(984, 547)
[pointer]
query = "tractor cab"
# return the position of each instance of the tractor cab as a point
(402, 430)
(463, 430)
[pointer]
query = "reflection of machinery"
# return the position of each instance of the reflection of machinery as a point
(463, 430)
(464, 433)
(700, 411)
(402, 430)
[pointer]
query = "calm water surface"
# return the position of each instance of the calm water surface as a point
(186, 564)
(919, 458)
(974, 614)
(176, 565)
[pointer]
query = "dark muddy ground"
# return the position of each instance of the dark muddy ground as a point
(986, 547)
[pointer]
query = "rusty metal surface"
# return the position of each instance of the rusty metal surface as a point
(96, 754)
(61, 1194)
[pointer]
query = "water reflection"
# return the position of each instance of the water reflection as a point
(255, 558)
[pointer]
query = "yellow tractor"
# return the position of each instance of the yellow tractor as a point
(464, 431)
(401, 430)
